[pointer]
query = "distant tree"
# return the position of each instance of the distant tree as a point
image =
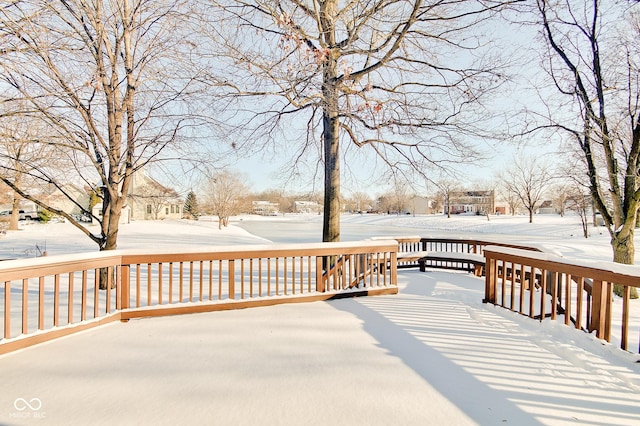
(446, 189)
(21, 155)
(383, 203)
(285, 203)
(224, 193)
(528, 179)
(509, 197)
(279, 197)
(579, 202)
(361, 201)
(560, 193)
(191, 209)
(436, 203)
(400, 196)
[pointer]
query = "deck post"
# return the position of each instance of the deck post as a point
(125, 280)
(490, 281)
(319, 275)
(601, 310)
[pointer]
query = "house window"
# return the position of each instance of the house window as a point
(166, 211)
(148, 208)
(172, 208)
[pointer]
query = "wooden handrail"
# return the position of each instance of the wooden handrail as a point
(586, 286)
(59, 295)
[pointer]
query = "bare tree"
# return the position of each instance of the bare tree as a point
(436, 203)
(593, 59)
(110, 80)
(376, 75)
(395, 200)
(560, 193)
(446, 189)
(224, 193)
(20, 155)
(362, 201)
(508, 196)
(580, 203)
(528, 179)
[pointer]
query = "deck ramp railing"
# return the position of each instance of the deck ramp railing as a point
(541, 285)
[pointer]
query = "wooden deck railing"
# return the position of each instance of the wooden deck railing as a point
(49, 297)
(542, 286)
(420, 246)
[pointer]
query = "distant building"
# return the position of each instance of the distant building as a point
(419, 205)
(148, 199)
(472, 202)
(502, 207)
(547, 207)
(306, 207)
(70, 199)
(264, 208)
(125, 215)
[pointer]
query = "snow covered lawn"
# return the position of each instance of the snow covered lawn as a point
(433, 354)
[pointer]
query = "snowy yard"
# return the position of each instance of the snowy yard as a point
(432, 354)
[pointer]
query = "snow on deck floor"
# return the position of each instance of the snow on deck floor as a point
(431, 355)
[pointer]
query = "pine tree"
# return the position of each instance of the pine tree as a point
(191, 206)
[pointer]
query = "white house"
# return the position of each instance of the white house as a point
(306, 207)
(148, 199)
(264, 208)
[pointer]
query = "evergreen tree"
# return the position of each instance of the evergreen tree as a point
(191, 206)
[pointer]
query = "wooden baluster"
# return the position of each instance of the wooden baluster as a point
(232, 279)
(579, 301)
(56, 300)
(25, 306)
(7, 309)
(626, 296)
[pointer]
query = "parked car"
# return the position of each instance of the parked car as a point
(28, 215)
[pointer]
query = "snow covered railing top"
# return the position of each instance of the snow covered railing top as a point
(48, 297)
(543, 285)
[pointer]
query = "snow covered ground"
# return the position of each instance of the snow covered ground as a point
(431, 355)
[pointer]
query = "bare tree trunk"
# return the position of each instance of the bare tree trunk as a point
(110, 226)
(15, 215)
(331, 138)
(15, 205)
(624, 252)
(331, 225)
(623, 246)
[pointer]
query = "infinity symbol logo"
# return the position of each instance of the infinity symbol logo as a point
(22, 404)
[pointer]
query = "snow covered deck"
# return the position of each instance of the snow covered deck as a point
(432, 354)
